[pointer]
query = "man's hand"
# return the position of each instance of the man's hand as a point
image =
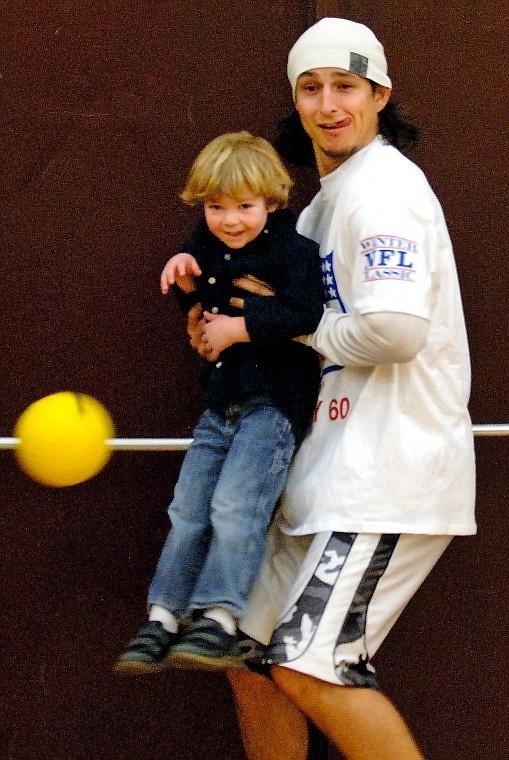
(195, 327)
(251, 285)
(180, 270)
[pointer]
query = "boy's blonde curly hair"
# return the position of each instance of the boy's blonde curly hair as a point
(233, 162)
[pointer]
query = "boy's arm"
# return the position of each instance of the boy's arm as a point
(179, 275)
(184, 289)
(181, 271)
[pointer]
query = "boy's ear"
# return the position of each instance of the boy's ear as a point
(272, 207)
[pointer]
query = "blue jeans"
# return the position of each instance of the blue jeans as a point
(229, 483)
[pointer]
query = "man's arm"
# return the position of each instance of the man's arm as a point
(297, 305)
(369, 339)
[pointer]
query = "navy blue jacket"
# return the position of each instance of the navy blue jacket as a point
(271, 364)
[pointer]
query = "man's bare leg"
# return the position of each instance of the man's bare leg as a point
(272, 728)
(362, 723)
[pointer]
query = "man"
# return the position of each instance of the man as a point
(386, 476)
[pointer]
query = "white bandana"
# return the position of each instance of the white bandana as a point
(341, 44)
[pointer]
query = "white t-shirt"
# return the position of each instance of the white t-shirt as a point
(391, 449)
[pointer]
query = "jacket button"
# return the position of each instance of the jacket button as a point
(212, 280)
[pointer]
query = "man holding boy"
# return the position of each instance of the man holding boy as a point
(386, 477)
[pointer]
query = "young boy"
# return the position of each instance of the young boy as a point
(261, 392)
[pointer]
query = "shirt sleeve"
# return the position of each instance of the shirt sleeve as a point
(392, 249)
(382, 278)
(366, 340)
(184, 300)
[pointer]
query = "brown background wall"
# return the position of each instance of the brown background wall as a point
(102, 107)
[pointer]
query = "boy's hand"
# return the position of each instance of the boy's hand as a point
(220, 332)
(180, 270)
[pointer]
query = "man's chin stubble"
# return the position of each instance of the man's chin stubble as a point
(339, 155)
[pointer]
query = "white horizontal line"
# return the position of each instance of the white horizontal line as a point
(181, 444)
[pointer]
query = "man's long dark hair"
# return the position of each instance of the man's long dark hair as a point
(294, 145)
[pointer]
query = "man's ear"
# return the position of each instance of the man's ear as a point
(382, 96)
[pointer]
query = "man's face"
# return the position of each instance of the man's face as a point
(339, 111)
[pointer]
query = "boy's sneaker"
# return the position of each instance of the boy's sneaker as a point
(206, 645)
(146, 653)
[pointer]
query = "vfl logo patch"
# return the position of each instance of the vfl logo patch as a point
(330, 285)
(389, 258)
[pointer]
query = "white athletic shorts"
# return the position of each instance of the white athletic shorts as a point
(324, 603)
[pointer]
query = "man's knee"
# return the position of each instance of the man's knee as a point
(293, 683)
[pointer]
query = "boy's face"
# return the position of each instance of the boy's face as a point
(237, 220)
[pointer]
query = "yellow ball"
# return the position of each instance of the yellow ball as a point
(63, 439)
